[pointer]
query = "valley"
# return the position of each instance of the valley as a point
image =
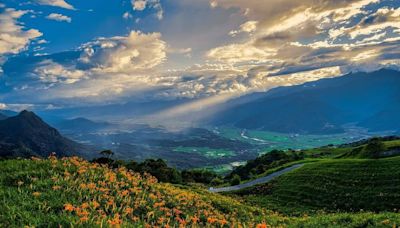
(214, 148)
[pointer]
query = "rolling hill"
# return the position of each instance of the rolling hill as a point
(347, 185)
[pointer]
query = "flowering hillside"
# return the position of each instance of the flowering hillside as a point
(71, 191)
(89, 193)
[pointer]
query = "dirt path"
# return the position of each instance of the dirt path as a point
(261, 180)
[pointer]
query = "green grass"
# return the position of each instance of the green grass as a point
(19, 179)
(393, 143)
(333, 185)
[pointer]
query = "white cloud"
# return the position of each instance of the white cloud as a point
(51, 72)
(248, 27)
(235, 53)
(13, 35)
(135, 52)
(141, 5)
(59, 17)
(56, 3)
(127, 15)
(106, 69)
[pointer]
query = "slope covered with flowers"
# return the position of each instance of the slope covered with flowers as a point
(72, 192)
(89, 193)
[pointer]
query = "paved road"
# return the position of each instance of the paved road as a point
(261, 180)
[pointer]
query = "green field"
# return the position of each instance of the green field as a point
(272, 140)
(205, 151)
(331, 185)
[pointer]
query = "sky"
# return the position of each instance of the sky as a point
(71, 53)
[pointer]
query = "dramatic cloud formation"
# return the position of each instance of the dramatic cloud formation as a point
(59, 17)
(303, 35)
(104, 67)
(209, 51)
(13, 36)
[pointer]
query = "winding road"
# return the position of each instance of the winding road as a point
(261, 180)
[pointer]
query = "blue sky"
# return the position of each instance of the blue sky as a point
(58, 53)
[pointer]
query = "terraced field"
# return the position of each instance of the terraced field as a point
(333, 185)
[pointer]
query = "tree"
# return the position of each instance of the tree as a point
(216, 181)
(235, 180)
(374, 148)
(108, 153)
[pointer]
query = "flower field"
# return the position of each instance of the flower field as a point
(72, 192)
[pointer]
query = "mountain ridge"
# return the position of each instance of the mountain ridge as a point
(317, 107)
(27, 135)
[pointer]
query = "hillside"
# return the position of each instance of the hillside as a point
(367, 99)
(75, 192)
(347, 185)
(27, 135)
(3, 117)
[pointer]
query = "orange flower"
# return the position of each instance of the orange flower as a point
(135, 218)
(84, 219)
(263, 225)
(158, 204)
(95, 204)
(82, 213)
(116, 221)
(110, 202)
(36, 194)
(211, 220)
(177, 212)
(195, 220)
(91, 186)
(85, 205)
(56, 187)
(223, 222)
(125, 193)
(128, 210)
(68, 207)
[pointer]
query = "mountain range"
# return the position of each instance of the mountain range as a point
(81, 125)
(369, 100)
(26, 135)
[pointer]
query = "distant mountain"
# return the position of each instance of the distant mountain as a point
(81, 125)
(368, 99)
(387, 119)
(8, 113)
(28, 135)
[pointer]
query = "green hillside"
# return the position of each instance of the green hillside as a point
(332, 185)
(75, 193)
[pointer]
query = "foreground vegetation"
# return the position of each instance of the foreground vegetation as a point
(354, 185)
(333, 185)
(72, 191)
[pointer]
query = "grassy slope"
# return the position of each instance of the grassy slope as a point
(36, 193)
(39, 192)
(332, 185)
